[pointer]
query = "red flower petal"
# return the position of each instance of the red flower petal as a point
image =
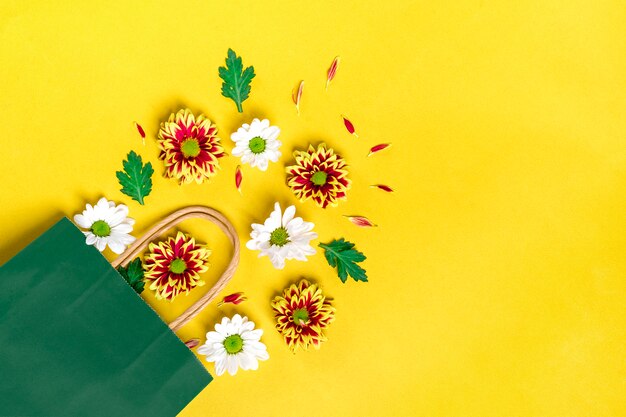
(332, 71)
(297, 96)
(234, 298)
(238, 178)
(378, 148)
(383, 187)
(142, 132)
(361, 221)
(192, 343)
(349, 126)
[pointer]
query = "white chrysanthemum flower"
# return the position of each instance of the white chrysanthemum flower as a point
(282, 236)
(106, 224)
(234, 344)
(257, 143)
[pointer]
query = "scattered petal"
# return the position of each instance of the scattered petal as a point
(361, 221)
(238, 178)
(378, 148)
(383, 187)
(332, 71)
(192, 343)
(296, 95)
(141, 132)
(234, 298)
(349, 126)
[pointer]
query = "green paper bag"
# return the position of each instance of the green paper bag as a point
(76, 340)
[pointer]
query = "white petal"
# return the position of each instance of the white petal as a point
(116, 246)
(233, 364)
(81, 221)
(100, 243)
(90, 238)
(262, 164)
(118, 215)
(248, 362)
(289, 213)
(220, 366)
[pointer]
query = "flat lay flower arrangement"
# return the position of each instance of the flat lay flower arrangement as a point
(190, 149)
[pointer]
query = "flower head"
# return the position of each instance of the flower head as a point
(234, 344)
(282, 237)
(189, 147)
(106, 224)
(302, 314)
(174, 266)
(256, 143)
(319, 174)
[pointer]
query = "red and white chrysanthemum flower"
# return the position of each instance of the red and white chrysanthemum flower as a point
(174, 266)
(319, 174)
(189, 147)
(302, 314)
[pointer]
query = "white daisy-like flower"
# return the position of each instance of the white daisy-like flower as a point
(282, 237)
(257, 143)
(106, 224)
(234, 344)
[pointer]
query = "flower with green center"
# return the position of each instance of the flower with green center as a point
(279, 237)
(189, 146)
(174, 265)
(106, 224)
(100, 228)
(178, 266)
(319, 178)
(282, 237)
(234, 344)
(257, 143)
(319, 174)
(302, 315)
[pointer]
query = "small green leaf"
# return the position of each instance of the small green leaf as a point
(133, 274)
(136, 179)
(341, 254)
(236, 85)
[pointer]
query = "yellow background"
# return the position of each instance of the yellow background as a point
(497, 274)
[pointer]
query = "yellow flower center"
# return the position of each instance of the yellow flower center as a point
(257, 144)
(100, 228)
(190, 148)
(178, 266)
(319, 178)
(279, 237)
(300, 316)
(233, 344)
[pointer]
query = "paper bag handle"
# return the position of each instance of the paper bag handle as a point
(191, 212)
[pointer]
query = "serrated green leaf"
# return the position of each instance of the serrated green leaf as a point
(133, 274)
(236, 85)
(341, 254)
(136, 179)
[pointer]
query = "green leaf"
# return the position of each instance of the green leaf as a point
(136, 179)
(236, 85)
(342, 255)
(133, 274)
